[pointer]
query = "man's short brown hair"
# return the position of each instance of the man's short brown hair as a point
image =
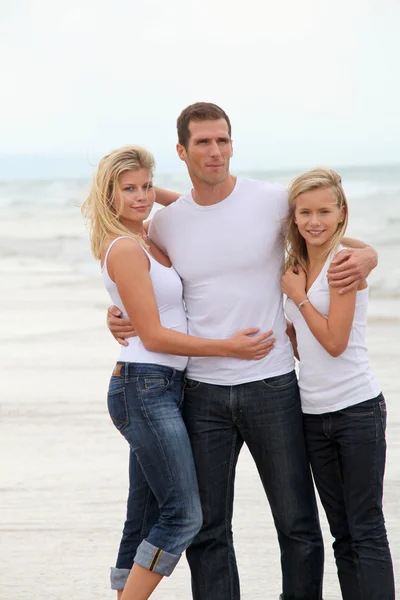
(200, 111)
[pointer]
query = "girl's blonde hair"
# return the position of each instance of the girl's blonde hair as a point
(99, 207)
(295, 245)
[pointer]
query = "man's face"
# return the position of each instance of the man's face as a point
(209, 151)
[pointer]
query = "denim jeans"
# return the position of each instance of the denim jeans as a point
(164, 512)
(347, 451)
(266, 415)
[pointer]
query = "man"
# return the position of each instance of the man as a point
(225, 239)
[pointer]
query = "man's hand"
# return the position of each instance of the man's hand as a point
(350, 267)
(120, 328)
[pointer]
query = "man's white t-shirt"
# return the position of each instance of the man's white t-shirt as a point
(230, 258)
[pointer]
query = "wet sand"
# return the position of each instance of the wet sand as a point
(64, 467)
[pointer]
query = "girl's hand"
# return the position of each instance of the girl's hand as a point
(293, 284)
(246, 345)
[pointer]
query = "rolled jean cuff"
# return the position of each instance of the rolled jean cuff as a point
(118, 578)
(155, 559)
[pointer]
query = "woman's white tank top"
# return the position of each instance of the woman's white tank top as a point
(168, 293)
(330, 383)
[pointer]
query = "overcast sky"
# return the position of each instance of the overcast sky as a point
(304, 81)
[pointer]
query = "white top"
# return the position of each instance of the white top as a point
(230, 257)
(168, 292)
(330, 383)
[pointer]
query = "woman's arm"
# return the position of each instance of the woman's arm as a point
(128, 266)
(333, 332)
(165, 197)
(291, 333)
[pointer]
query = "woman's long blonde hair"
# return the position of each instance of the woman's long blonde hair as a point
(99, 207)
(295, 245)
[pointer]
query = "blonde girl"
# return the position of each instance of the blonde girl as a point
(344, 409)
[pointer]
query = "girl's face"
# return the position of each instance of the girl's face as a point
(135, 197)
(317, 216)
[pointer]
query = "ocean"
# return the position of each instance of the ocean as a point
(42, 222)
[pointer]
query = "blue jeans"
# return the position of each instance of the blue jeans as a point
(266, 415)
(164, 512)
(347, 451)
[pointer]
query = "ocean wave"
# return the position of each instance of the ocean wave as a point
(61, 193)
(41, 221)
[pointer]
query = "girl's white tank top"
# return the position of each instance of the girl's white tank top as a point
(328, 384)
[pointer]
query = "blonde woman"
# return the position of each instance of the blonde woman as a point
(145, 392)
(344, 410)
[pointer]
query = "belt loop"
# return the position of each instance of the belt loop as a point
(126, 372)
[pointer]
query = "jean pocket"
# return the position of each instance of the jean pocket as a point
(116, 384)
(280, 382)
(182, 397)
(152, 386)
(363, 409)
(118, 408)
(190, 384)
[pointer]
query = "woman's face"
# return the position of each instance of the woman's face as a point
(317, 216)
(135, 197)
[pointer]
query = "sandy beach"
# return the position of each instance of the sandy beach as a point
(64, 466)
(306, 84)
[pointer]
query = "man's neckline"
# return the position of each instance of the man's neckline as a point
(214, 204)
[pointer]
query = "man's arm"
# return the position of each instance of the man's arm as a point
(353, 243)
(166, 197)
(351, 266)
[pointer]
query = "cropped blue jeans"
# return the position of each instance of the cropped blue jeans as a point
(163, 512)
